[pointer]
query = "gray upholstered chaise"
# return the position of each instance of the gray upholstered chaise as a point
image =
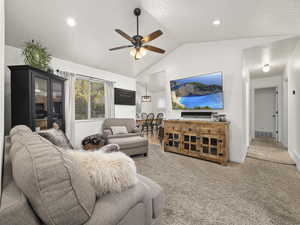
(132, 143)
(42, 186)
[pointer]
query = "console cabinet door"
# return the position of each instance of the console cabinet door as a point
(172, 141)
(212, 145)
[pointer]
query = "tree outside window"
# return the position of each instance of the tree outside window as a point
(97, 100)
(89, 100)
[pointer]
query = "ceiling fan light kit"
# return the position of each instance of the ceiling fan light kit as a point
(139, 49)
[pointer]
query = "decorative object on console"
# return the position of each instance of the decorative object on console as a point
(36, 55)
(200, 139)
(137, 41)
(37, 98)
(203, 92)
(219, 117)
(124, 97)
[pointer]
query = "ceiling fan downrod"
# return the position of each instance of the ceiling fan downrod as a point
(137, 13)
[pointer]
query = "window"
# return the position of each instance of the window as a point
(89, 100)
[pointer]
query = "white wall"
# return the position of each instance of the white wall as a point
(2, 47)
(264, 109)
(285, 92)
(200, 58)
(159, 102)
(293, 71)
(82, 128)
(266, 82)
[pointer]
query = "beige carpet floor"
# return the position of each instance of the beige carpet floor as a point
(204, 193)
(267, 149)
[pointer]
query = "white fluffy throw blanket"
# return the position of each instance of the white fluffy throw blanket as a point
(109, 172)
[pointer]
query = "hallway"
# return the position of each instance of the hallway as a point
(267, 149)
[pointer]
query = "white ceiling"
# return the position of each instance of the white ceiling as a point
(155, 82)
(181, 21)
(276, 54)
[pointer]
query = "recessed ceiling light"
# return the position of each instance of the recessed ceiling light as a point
(216, 22)
(71, 22)
(266, 68)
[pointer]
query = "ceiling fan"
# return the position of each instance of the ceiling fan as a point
(138, 42)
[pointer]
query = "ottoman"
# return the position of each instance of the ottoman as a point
(132, 145)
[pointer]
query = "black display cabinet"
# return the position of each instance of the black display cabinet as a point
(37, 98)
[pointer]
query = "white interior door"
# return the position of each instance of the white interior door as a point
(265, 117)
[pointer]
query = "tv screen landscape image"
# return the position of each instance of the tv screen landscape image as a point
(202, 92)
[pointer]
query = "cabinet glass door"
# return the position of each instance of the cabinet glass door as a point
(41, 103)
(57, 111)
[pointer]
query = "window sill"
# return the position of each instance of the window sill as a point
(90, 120)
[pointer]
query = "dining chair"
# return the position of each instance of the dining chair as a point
(158, 121)
(143, 116)
(148, 124)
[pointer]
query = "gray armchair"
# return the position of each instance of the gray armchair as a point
(131, 143)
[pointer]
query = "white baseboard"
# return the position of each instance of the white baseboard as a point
(296, 157)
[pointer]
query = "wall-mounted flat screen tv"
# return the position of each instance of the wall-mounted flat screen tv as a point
(124, 97)
(202, 92)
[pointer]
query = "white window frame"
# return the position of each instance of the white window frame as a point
(89, 101)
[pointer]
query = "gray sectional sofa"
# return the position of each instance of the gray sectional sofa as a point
(131, 143)
(43, 185)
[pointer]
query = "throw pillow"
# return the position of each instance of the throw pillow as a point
(56, 137)
(119, 130)
(107, 132)
(110, 148)
(109, 173)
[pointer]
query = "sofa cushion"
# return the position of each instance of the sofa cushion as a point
(51, 179)
(56, 137)
(15, 210)
(129, 123)
(112, 208)
(129, 142)
(157, 195)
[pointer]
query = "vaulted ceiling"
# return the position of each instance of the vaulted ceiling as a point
(181, 21)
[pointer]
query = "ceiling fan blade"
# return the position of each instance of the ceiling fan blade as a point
(121, 47)
(152, 36)
(154, 49)
(123, 34)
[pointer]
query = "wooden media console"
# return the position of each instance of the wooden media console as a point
(200, 139)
